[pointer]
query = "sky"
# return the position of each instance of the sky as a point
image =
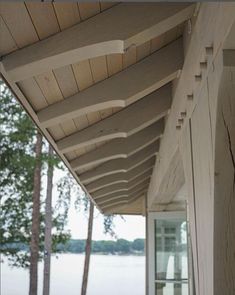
(128, 227)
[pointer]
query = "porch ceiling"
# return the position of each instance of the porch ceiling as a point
(96, 79)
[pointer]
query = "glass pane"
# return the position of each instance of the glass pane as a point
(171, 265)
(171, 289)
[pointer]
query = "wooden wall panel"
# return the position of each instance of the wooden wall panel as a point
(224, 198)
(203, 179)
(186, 153)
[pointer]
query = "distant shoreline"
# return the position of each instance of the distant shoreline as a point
(119, 247)
(102, 253)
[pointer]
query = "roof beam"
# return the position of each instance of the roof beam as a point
(121, 186)
(121, 203)
(124, 123)
(112, 179)
(121, 89)
(112, 31)
(120, 147)
(122, 195)
(114, 204)
(120, 165)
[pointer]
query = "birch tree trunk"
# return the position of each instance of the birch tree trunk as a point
(48, 225)
(34, 245)
(88, 250)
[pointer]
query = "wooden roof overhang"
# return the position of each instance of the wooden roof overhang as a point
(96, 78)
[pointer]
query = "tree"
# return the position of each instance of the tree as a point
(88, 250)
(138, 245)
(48, 225)
(122, 246)
(17, 141)
(34, 245)
(20, 173)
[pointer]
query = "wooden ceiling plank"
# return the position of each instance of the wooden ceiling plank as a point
(99, 72)
(52, 93)
(120, 165)
(133, 173)
(88, 9)
(129, 57)
(112, 31)
(124, 123)
(121, 186)
(143, 50)
(156, 43)
(121, 89)
(135, 207)
(113, 205)
(32, 91)
(99, 68)
(114, 63)
(121, 195)
(66, 81)
(19, 23)
(67, 14)
(107, 5)
(7, 43)
(113, 179)
(112, 198)
(68, 86)
(44, 19)
(49, 87)
(120, 147)
(56, 132)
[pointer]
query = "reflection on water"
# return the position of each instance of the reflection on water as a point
(109, 275)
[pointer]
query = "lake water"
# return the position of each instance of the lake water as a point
(109, 275)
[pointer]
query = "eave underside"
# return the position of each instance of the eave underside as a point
(103, 113)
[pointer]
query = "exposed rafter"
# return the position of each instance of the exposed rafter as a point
(122, 165)
(115, 179)
(126, 122)
(127, 196)
(112, 31)
(120, 176)
(127, 199)
(124, 208)
(121, 89)
(120, 147)
(121, 186)
(121, 204)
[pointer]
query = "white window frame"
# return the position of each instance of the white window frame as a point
(152, 216)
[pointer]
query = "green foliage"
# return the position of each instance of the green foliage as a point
(123, 246)
(120, 246)
(138, 245)
(17, 138)
(17, 162)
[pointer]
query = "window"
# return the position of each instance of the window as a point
(169, 253)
